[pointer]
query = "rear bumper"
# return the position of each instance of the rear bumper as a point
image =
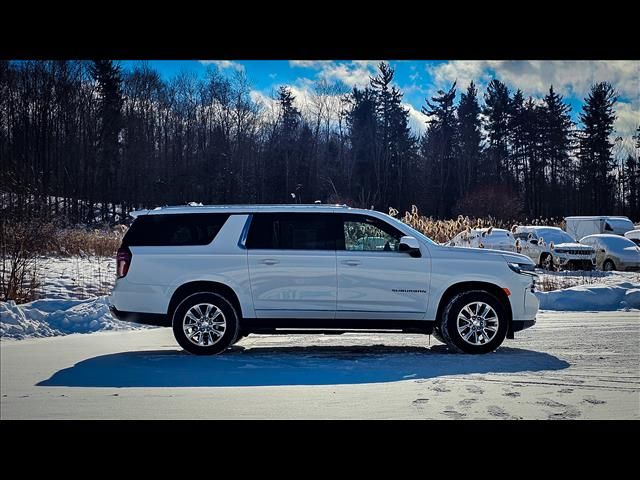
(157, 319)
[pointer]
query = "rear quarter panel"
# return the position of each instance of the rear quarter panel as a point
(160, 271)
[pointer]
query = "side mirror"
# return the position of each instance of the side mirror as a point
(410, 245)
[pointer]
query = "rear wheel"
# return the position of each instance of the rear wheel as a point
(205, 323)
(474, 322)
(608, 265)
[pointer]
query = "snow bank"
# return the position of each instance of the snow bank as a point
(52, 317)
(624, 295)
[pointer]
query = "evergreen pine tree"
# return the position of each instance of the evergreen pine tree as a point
(595, 149)
(497, 110)
(107, 76)
(556, 128)
(443, 136)
(470, 149)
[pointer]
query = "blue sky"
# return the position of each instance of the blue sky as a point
(420, 79)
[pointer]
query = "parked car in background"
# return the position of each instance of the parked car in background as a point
(579, 227)
(553, 248)
(495, 238)
(634, 236)
(614, 252)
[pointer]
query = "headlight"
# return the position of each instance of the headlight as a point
(523, 268)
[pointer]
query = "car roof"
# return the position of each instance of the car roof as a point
(300, 208)
(604, 236)
(484, 229)
(597, 217)
(538, 227)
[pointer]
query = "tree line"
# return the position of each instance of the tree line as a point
(86, 140)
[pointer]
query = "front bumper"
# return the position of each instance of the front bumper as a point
(157, 319)
(574, 261)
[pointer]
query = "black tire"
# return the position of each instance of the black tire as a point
(239, 337)
(231, 330)
(449, 329)
(608, 266)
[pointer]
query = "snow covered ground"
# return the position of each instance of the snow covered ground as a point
(570, 365)
(52, 317)
(75, 277)
(589, 291)
(619, 296)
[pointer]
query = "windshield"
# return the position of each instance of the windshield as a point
(414, 232)
(555, 236)
(617, 242)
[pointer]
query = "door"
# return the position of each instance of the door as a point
(292, 265)
(375, 280)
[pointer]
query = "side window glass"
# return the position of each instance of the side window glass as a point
(292, 231)
(369, 234)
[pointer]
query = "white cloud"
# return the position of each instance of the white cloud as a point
(269, 105)
(464, 71)
(417, 120)
(353, 73)
(571, 78)
(533, 77)
(628, 118)
(224, 64)
(317, 64)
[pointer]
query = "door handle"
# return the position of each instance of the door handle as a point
(351, 263)
(270, 261)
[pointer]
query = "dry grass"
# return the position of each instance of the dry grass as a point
(19, 243)
(551, 282)
(444, 230)
(23, 242)
(78, 241)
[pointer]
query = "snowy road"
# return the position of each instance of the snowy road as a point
(576, 365)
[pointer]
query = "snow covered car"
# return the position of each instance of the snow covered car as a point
(551, 247)
(218, 273)
(495, 238)
(634, 236)
(614, 252)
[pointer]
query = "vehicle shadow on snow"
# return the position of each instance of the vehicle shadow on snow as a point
(277, 366)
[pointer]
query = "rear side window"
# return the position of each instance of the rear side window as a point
(292, 231)
(174, 229)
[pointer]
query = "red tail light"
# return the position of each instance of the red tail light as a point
(123, 261)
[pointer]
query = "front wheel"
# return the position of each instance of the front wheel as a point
(205, 323)
(608, 266)
(474, 322)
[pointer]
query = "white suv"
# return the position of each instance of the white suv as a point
(552, 247)
(218, 273)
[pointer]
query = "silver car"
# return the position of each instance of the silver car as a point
(614, 252)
